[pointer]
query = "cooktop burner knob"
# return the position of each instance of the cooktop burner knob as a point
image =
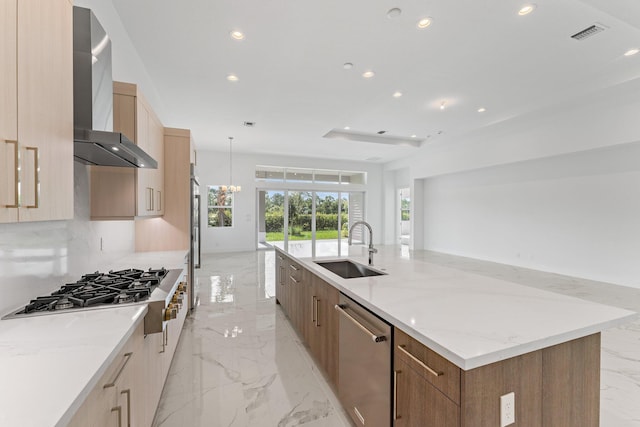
(170, 312)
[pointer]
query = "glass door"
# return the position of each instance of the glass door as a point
(299, 226)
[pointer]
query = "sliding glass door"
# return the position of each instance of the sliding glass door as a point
(309, 223)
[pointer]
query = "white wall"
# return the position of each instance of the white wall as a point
(576, 214)
(213, 169)
(127, 65)
(38, 257)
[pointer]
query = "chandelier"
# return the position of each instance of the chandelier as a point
(231, 188)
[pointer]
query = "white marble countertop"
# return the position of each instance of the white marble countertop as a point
(471, 320)
(55, 360)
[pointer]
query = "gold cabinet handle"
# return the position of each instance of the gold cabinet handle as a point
(16, 176)
(280, 257)
(293, 279)
(159, 207)
(395, 394)
(293, 267)
(127, 357)
(313, 309)
(128, 393)
(317, 312)
(401, 347)
(374, 337)
(118, 409)
(36, 177)
(164, 342)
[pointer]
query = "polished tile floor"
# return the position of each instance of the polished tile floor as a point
(239, 363)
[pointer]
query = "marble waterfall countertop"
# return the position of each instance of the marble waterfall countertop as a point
(470, 319)
(52, 362)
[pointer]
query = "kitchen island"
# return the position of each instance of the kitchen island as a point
(490, 335)
(53, 362)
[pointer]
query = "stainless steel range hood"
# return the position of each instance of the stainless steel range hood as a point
(95, 142)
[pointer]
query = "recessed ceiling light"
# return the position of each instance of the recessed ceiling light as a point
(526, 9)
(347, 65)
(442, 104)
(397, 94)
(347, 128)
(414, 136)
(631, 52)
(115, 148)
(141, 165)
(368, 74)
(481, 110)
(237, 35)
(394, 13)
(424, 23)
(232, 78)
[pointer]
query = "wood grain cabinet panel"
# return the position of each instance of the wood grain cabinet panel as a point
(127, 193)
(418, 402)
(36, 68)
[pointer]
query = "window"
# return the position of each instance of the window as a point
(220, 206)
(311, 176)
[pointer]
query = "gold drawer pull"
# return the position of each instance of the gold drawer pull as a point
(16, 176)
(115, 380)
(293, 267)
(420, 362)
(395, 394)
(128, 393)
(294, 279)
(36, 177)
(118, 409)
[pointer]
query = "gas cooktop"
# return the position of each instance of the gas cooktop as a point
(97, 290)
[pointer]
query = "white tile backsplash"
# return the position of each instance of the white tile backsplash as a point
(38, 257)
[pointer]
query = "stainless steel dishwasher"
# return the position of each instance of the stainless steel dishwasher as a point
(364, 370)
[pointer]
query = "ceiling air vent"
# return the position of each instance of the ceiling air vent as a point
(588, 32)
(249, 124)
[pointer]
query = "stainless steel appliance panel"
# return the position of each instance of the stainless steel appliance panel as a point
(364, 370)
(194, 250)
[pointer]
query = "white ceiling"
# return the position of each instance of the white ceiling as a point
(293, 85)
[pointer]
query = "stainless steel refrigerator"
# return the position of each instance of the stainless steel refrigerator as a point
(194, 251)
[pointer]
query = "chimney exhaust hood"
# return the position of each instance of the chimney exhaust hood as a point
(95, 143)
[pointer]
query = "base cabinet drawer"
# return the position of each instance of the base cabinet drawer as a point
(115, 399)
(418, 403)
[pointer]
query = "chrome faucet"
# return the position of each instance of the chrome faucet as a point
(371, 249)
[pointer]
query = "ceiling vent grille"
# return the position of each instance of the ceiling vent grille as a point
(588, 32)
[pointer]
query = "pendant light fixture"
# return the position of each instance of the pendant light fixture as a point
(231, 188)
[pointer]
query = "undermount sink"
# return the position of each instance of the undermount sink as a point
(348, 269)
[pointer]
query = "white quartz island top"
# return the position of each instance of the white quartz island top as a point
(470, 319)
(51, 362)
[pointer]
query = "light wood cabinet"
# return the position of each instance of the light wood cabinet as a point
(175, 223)
(36, 133)
(127, 193)
(116, 398)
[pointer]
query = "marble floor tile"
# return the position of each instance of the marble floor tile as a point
(240, 363)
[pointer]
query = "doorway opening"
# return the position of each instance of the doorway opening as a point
(404, 216)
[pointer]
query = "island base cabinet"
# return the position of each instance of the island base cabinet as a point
(555, 386)
(420, 404)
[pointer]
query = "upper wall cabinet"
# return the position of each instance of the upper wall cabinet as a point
(126, 193)
(36, 110)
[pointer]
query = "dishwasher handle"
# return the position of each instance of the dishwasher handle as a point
(374, 337)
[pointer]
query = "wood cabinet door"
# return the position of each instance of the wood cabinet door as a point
(323, 336)
(420, 404)
(45, 110)
(8, 112)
